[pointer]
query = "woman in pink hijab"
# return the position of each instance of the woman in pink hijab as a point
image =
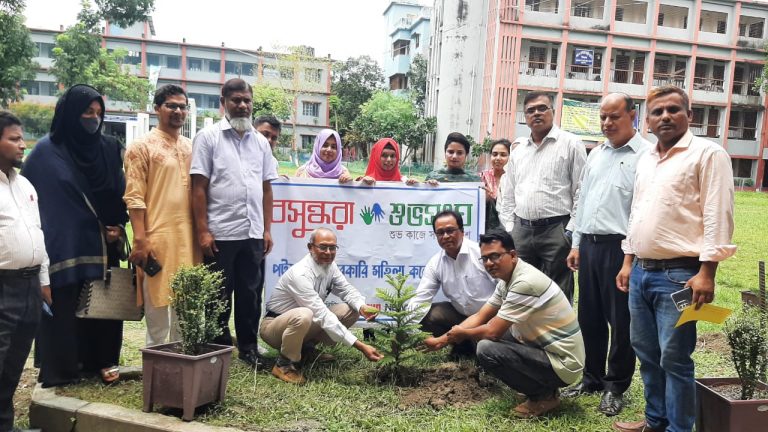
(326, 159)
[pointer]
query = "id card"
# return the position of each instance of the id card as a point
(682, 298)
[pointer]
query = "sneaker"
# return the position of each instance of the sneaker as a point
(289, 374)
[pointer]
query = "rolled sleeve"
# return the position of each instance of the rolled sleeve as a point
(717, 206)
(44, 277)
(202, 160)
(507, 211)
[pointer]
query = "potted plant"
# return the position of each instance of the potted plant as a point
(729, 404)
(191, 372)
(399, 336)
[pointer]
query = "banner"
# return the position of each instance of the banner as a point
(582, 119)
(383, 229)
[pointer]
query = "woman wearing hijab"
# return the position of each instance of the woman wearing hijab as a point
(78, 176)
(456, 151)
(384, 164)
(326, 159)
(492, 179)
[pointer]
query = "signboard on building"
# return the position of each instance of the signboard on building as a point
(583, 57)
(582, 119)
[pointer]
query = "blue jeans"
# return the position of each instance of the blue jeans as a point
(663, 350)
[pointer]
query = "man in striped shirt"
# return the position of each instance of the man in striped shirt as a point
(541, 190)
(528, 335)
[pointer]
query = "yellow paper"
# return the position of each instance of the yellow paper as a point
(707, 312)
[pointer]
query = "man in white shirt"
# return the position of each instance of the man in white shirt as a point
(297, 316)
(24, 282)
(456, 270)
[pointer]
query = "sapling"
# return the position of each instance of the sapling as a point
(196, 298)
(748, 339)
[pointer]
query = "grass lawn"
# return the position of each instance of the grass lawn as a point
(340, 395)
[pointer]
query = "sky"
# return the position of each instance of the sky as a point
(341, 28)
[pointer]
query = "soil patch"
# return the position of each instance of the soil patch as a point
(733, 392)
(23, 396)
(714, 342)
(450, 385)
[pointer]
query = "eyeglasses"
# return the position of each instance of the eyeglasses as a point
(326, 248)
(540, 108)
(174, 107)
(494, 257)
(442, 232)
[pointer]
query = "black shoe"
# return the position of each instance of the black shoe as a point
(578, 390)
(252, 358)
(611, 403)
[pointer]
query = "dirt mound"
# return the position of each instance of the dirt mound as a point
(714, 342)
(450, 385)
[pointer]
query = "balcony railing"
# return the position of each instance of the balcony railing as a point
(705, 130)
(744, 88)
(586, 73)
(708, 84)
(660, 79)
(623, 76)
(542, 69)
(742, 133)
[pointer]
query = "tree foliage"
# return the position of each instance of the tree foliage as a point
(12, 6)
(16, 53)
(110, 77)
(748, 338)
(398, 338)
(393, 116)
(125, 13)
(417, 82)
(196, 298)
(35, 117)
(271, 100)
(354, 82)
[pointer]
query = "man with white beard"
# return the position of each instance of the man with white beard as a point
(232, 167)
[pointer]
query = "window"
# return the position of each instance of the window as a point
(286, 73)
(582, 10)
(398, 82)
(661, 19)
(311, 109)
(307, 141)
(238, 68)
(400, 47)
(269, 71)
(416, 39)
(721, 26)
(44, 50)
(214, 66)
(133, 58)
(39, 88)
(619, 14)
(756, 30)
(173, 62)
(742, 168)
(205, 101)
(194, 64)
(153, 59)
(750, 26)
(313, 75)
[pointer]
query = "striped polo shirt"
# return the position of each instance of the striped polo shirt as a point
(542, 317)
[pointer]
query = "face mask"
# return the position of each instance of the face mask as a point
(90, 124)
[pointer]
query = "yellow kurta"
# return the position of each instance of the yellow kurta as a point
(157, 180)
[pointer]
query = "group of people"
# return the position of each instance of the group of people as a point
(638, 221)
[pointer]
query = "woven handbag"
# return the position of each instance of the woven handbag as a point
(111, 298)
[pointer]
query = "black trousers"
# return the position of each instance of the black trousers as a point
(442, 316)
(602, 305)
(524, 368)
(546, 248)
(242, 264)
(20, 308)
(71, 346)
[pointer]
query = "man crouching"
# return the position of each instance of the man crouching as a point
(297, 316)
(528, 335)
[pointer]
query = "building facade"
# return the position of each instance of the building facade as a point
(200, 70)
(712, 49)
(408, 34)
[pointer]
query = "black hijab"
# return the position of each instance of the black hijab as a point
(86, 149)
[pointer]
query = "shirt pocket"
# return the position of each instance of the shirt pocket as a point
(673, 188)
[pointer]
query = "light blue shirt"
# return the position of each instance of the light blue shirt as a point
(607, 185)
(236, 169)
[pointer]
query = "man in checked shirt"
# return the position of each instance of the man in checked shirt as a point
(23, 265)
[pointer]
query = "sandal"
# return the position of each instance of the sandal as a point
(110, 374)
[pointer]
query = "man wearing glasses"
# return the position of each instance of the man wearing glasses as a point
(527, 333)
(541, 190)
(298, 318)
(157, 193)
(458, 272)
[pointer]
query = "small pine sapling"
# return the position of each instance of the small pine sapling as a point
(196, 298)
(399, 337)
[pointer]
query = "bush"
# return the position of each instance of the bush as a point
(748, 338)
(196, 298)
(35, 118)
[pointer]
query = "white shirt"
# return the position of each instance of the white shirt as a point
(21, 237)
(464, 280)
(543, 180)
(307, 284)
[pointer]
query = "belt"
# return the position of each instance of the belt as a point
(542, 222)
(271, 314)
(664, 264)
(26, 272)
(602, 238)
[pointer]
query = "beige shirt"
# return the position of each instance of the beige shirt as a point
(683, 203)
(157, 180)
(21, 237)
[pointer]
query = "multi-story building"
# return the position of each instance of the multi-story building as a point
(200, 70)
(486, 55)
(408, 34)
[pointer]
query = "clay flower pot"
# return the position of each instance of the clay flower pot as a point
(716, 413)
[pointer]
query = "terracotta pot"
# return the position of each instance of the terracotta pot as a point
(178, 380)
(716, 413)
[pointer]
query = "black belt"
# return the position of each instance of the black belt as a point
(664, 264)
(271, 314)
(26, 272)
(603, 238)
(542, 222)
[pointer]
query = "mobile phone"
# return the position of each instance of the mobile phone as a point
(152, 267)
(47, 309)
(682, 298)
